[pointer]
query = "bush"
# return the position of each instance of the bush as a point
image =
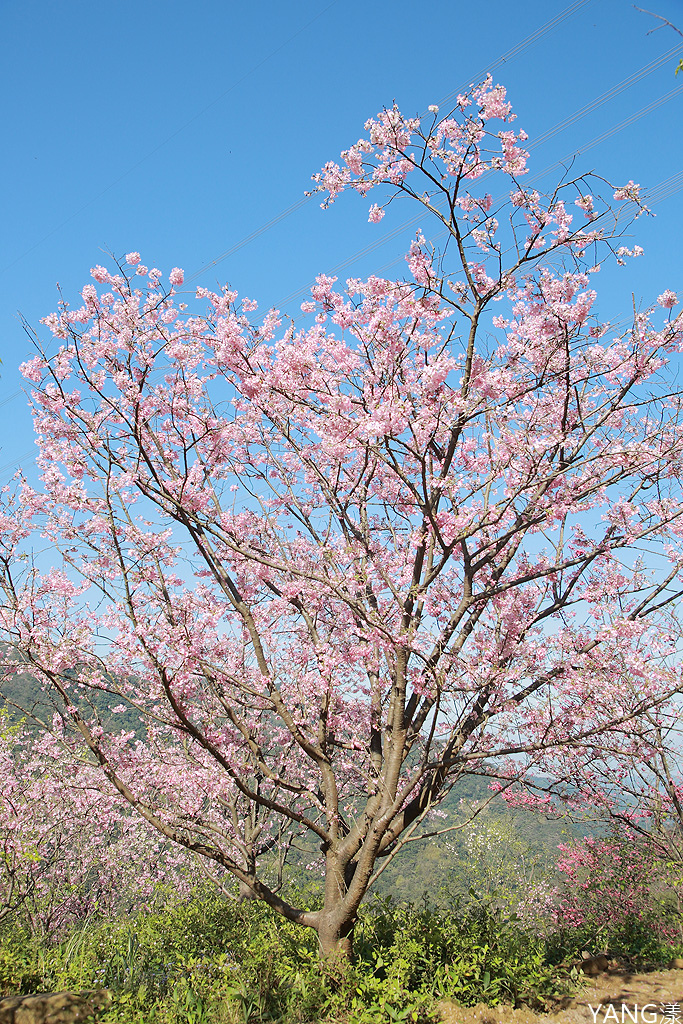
(617, 896)
(207, 960)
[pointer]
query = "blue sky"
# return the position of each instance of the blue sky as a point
(179, 129)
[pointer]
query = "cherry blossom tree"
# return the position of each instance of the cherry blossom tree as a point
(336, 564)
(631, 779)
(69, 850)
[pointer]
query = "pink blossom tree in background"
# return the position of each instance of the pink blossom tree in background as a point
(605, 883)
(69, 850)
(335, 565)
(629, 782)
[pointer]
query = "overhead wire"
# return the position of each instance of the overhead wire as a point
(14, 463)
(10, 398)
(519, 48)
(664, 194)
(505, 58)
(173, 135)
(637, 76)
(349, 261)
(630, 120)
(664, 186)
(248, 238)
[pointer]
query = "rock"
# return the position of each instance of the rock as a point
(593, 965)
(53, 1008)
(676, 964)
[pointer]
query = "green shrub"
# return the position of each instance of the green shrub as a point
(211, 961)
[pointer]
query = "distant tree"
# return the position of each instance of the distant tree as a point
(338, 566)
(68, 849)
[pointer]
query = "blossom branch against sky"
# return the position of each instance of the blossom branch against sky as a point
(201, 158)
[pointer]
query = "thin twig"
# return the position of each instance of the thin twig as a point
(653, 15)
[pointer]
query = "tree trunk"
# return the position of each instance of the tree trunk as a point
(245, 892)
(335, 938)
(335, 921)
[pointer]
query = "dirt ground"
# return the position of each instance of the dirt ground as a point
(615, 997)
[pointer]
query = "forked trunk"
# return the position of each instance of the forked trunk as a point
(335, 921)
(245, 892)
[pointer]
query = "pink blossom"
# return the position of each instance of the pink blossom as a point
(667, 299)
(628, 191)
(133, 258)
(177, 276)
(585, 203)
(33, 369)
(492, 101)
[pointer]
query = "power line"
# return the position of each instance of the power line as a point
(673, 180)
(666, 195)
(520, 47)
(666, 189)
(10, 398)
(610, 94)
(249, 238)
(630, 120)
(15, 462)
(511, 54)
(349, 261)
(172, 136)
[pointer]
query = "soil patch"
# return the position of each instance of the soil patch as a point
(616, 997)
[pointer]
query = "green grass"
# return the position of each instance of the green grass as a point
(211, 961)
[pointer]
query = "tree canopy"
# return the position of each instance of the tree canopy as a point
(430, 530)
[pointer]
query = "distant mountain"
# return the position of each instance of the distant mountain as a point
(23, 696)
